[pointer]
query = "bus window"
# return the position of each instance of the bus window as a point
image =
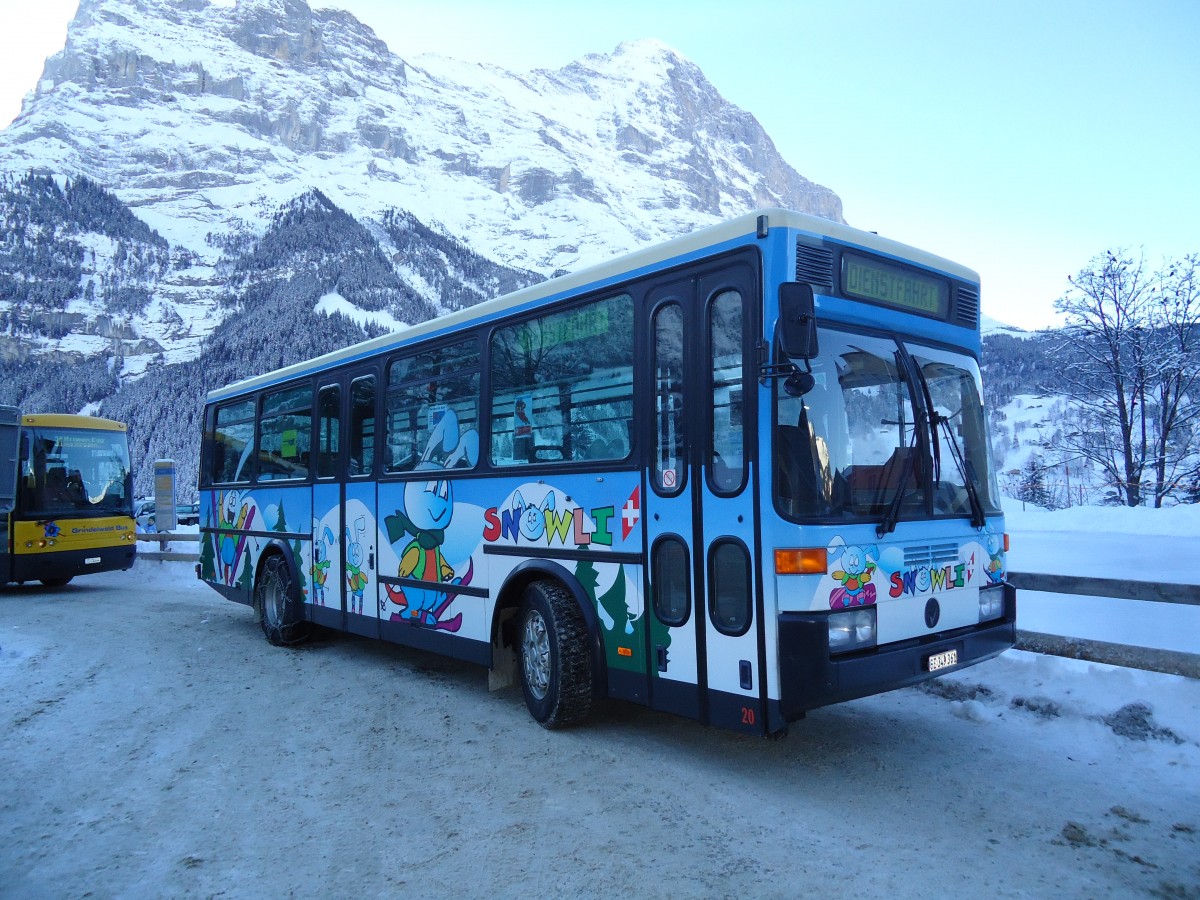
(670, 433)
(285, 434)
(727, 474)
(362, 425)
(422, 388)
(729, 587)
(562, 386)
(329, 424)
(233, 442)
(671, 585)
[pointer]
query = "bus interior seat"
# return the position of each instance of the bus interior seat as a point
(796, 461)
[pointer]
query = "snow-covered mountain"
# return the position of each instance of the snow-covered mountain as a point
(206, 119)
(988, 325)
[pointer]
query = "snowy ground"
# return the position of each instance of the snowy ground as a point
(152, 744)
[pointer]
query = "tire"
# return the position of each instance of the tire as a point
(555, 660)
(56, 582)
(280, 610)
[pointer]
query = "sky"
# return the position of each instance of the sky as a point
(1021, 138)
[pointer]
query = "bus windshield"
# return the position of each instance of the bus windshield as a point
(75, 471)
(860, 443)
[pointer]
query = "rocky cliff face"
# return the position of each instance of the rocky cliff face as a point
(206, 119)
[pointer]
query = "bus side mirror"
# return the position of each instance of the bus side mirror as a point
(797, 325)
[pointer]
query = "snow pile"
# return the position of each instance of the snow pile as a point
(1140, 706)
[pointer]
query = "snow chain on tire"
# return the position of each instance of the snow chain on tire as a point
(279, 609)
(554, 655)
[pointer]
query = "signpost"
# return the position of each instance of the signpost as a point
(164, 495)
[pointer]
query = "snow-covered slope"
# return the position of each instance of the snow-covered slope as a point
(207, 117)
(988, 325)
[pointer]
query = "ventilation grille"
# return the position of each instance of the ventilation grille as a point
(814, 265)
(967, 307)
(930, 555)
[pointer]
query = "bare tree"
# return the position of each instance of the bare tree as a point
(1131, 369)
(1106, 313)
(1175, 376)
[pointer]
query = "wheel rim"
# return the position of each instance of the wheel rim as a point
(535, 654)
(274, 602)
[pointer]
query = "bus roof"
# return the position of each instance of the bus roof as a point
(611, 271)
(63, 420)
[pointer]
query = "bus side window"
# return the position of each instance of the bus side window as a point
(431, 409)
(329, 425)
(285, 434)
(362, 425)
(233, 442)
(670, 427)
(727, 463)
(562, 385)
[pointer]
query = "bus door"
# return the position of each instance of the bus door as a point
(359, 531)
(343, 582)
(327, 605)
(705, 653)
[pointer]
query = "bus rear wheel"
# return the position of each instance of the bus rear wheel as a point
(278, 604)
(555, 663)
(56, 582)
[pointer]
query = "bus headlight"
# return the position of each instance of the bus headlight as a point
(852, 630)
(991, 603)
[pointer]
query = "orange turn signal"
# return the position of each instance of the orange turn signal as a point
(1006, 542)
(805, 561)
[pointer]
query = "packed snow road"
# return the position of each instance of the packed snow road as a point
(152, 744)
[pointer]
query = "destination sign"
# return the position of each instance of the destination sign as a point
(872, 279)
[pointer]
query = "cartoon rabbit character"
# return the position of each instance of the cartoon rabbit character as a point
(857, 567)
(320, 565)
(428, 511)
(532, 518)
(356, 579)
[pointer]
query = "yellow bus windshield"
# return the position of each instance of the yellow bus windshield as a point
(74, 471)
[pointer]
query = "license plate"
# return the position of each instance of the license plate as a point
(942, 660)
(91, 560)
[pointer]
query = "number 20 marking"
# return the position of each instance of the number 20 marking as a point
(747, 716)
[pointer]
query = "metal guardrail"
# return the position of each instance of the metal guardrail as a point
(1171, 662)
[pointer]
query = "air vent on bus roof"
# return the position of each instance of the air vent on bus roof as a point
(967, 307)
(814, 265)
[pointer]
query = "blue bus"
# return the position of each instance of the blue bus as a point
(737, 476)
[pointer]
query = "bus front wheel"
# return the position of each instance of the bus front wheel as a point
(555, 663)
(56, 582)
(279, 607)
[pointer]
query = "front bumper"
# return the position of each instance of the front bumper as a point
(810, 677)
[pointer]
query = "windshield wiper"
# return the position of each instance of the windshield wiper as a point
(892, 516)
(978, 517)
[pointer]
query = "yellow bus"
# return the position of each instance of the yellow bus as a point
(66, 497)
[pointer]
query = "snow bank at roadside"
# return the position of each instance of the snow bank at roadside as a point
(1175, 521)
